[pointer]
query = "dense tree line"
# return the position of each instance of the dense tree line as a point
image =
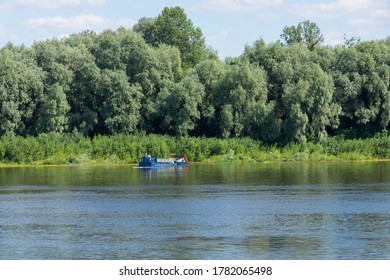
(161, 78)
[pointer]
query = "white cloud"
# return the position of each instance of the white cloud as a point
(383, 13)
(239, 5)
(50, 4)
(58, 22)
(367, 19)
(5, 5)
(333, 38)
(77, 23)
(356, 12)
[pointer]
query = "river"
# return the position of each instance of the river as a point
(301, 210)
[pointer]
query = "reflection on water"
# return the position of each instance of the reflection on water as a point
(254, 211)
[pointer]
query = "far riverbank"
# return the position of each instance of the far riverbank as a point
(74, 148)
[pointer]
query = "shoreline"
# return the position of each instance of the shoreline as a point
(75, 149)
(206, 162)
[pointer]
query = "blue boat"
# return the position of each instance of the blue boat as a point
(149, 161)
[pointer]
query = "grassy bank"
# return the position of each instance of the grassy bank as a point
(62, 149)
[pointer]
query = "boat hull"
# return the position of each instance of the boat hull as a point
(152, 162)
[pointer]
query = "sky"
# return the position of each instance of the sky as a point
(228, 25)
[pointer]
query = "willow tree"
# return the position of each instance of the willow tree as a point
(53, 112)
(361, 75)
(120, 103)
(310, 108)
(21, 88)
(240, 97)
(179, 106)
(173, 27)
(210, 73)
(305, 32)
(108, 51)
(82, 98)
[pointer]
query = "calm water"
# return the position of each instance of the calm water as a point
(254, 211)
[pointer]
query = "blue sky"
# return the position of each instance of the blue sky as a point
(228, 25)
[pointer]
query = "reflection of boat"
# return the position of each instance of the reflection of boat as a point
(171, 171)
(148, 161)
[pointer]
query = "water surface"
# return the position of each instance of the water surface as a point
(253, 211)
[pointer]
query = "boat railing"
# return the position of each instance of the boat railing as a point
(165, 160)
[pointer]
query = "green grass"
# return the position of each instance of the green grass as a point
(64, 149)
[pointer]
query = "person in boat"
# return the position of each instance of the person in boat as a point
(146, 160)
(147, 157)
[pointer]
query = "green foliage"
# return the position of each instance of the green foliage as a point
(108, 51)
(179, 106)
(74, 148)
(52, 115)
(308, 99)
(120, 102)
(172, 27)
(242, 98)
(145, 27)
(361, 78)
(305, 32)
(210, 73)
(161, 78)
(21, 88)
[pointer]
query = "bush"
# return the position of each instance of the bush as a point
(74, 148)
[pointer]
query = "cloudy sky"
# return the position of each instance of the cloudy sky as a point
(228, 25)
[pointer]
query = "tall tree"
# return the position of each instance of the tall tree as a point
(179, 106)
(240, 97)
(310, 108)
(108, 51)
(52, 114)
(21, 88)
(145, 27)
(153, 68)
(82, 97)
(210, 73)
(305, 32)
(173, 27)
(361, 75)
(120, 110)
